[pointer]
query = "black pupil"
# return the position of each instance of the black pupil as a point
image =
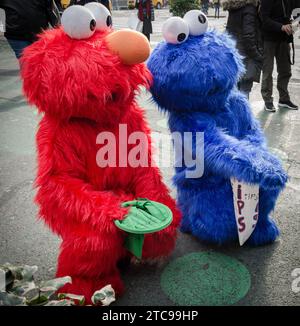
(108, 21)
(202, 19)
(181, 37)
(92, 24)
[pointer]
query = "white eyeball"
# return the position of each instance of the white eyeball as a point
(175, 30)
(78, 22)
(196, 21)
(102, 15)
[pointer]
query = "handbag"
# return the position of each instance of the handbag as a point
(253, 70)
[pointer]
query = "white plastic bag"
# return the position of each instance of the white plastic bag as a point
(135, 23)
(246, 203)
(2, 21)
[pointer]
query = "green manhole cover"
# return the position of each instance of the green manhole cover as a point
(205, 278)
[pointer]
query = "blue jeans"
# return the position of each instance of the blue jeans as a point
(18, 46)
(217, 11)
(205, 9)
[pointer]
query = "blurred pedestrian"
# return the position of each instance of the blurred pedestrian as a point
(205, 6)
(105, 3)
(278, 36)
(64, 4)
(245, 26)
(146, 15)
(25, 19)
(217, 4)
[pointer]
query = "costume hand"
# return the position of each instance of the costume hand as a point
(274, 180)
(143, 205)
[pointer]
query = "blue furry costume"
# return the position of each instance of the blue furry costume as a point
(194, 81)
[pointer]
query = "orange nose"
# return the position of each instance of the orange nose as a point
(132, 47)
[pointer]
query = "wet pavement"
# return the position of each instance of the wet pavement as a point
(24, 239)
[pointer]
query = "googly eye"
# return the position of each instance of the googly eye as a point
(78, 22)
(102, 15)
(175, 30)
(196, 21)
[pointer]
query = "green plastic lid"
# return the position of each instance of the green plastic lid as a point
(145, 216)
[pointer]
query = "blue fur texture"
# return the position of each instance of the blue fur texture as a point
(195, 83)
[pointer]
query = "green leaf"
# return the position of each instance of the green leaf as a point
(56, 283)
(21, 272)
(180, 7)
(9, 299)
(60, 303)
(48, 293)
(28, 272)
(78, 299)
(104, 297)
(22, 288)
(37, 300)
(42, 297)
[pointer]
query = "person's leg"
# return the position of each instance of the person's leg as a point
(267, 71)
(284, 70)
(148, 36)
(18, 46)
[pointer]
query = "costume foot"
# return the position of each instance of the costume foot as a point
(218, 234)
(264, 233)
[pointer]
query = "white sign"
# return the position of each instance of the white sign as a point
(246, 202)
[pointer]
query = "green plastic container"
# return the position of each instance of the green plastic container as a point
(145, 216)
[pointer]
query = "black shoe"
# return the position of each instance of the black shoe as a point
(287, 105)
(269, 107)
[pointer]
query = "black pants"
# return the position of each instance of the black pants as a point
(281, 52)
(147, 35)
(147, 27)
(245, 86)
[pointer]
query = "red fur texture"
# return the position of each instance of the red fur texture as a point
(82, 89)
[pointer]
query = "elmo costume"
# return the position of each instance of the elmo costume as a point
(83, 78)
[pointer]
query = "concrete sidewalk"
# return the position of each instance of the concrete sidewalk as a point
(23, 239)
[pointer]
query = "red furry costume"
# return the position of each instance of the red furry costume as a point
(82, 88)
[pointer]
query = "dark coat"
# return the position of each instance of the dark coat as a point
(26, 18)
(274, 14)
(145, 16)
(245, 26)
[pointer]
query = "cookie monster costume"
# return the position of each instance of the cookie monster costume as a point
(194, 76)
(83, 78)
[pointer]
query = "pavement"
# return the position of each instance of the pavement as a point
(235, 275)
